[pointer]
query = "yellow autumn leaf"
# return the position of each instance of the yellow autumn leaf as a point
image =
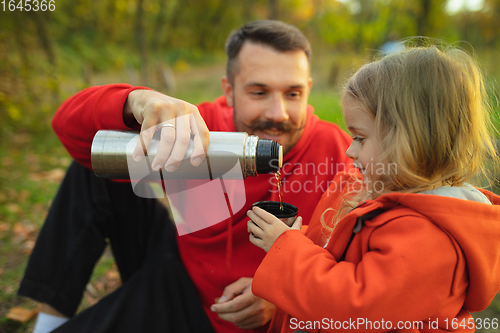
(14, 112)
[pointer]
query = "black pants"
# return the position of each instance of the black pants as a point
(157, 294)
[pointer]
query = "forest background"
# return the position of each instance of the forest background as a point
(176, 46)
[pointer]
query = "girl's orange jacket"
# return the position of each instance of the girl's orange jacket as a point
(420, 265)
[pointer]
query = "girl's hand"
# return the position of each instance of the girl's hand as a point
(265, 228)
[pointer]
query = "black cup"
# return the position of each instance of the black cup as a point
(288, 214)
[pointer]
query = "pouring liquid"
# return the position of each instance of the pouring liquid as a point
(277, 175)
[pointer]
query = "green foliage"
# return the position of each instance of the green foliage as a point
(47, 56)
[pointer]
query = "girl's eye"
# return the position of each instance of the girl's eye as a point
(358, 139)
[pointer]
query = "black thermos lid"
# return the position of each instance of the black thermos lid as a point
(267, 156)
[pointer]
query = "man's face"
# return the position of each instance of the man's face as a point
(269, 94)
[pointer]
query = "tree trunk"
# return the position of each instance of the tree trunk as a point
(159, 25)
(26, 69)
(273, 9)
(48, 48)
(173, 24)
(44, 37)
(206, 36)
(142, 42)
(423, 17)
(247, 10)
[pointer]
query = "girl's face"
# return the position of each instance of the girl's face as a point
(365, 147)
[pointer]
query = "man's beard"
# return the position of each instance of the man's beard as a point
(263, 125)
(284, 127)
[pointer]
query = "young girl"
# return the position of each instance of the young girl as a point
(416, 248)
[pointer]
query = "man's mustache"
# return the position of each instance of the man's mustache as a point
(284, 127)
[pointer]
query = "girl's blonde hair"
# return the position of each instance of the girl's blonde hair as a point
(431, 115)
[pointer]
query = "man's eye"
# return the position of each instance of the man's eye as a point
(294, 94)
(258, 93)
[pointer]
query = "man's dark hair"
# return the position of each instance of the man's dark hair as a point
(276, 34)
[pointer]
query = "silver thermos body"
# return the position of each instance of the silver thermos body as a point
(231, 155)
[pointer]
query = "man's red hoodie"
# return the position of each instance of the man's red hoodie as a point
(422, 264)
(220, 254)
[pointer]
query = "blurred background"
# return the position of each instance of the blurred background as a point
(176, 47)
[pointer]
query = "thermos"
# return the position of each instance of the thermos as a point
(230, 155)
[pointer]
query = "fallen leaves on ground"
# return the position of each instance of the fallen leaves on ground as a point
(23, 195)
(102, 286)
(20, 314)
(113, 274)
(91, 300)
(28, 246)
(54, 175)
(113, 279)
(7, 161)
(25, 233)
(4, 226)
(59, 161)
(13, 208)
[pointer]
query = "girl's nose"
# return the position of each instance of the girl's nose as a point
(351, 152)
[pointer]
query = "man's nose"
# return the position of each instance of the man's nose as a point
(277, 110)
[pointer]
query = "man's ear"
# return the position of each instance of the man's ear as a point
(227, 90)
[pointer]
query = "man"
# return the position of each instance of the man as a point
(197, 281)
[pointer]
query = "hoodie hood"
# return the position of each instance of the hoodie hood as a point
(471, 218)
(466, 192)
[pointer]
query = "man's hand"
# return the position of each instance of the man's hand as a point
(241, 307)
(176, 119)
